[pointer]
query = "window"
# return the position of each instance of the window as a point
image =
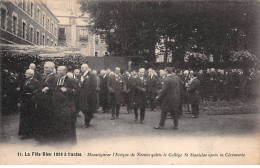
(96, 41)
(14, 24)
(48, 24)
(38, 15)
(96, 54)
(55, 32)
(83, 34)
(24, 30)
(61, 30)
(32, 6)
(43, 39)
(62, 35)
(31, 34)
(52, 27)
(43, 20)
(37, 38)
(3, 19)
(24, 5)
(106, 54)
(48, 40)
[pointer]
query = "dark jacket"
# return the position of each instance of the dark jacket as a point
(153, 83)
(45, 108)
(168, 96)
(140, 91)
(194, 92)
(116, 85)
(64, 115)
(103, 85)
(28, 92)
(87, 91)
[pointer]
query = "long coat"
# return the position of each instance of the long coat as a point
(45, 108)
(64, 116)
(168, 96)
(140, 91)
(103, 85)
(87, 92)
(27, 115)
(178, 86)
(153, 84)
(193, 91)
(116, 85)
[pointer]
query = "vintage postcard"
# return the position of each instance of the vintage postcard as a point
(127, 82)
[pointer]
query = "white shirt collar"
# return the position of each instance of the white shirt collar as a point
(85, 73)
(63, 76)
(50, 74)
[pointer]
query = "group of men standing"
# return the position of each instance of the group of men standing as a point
(50, 102)
(139, 89)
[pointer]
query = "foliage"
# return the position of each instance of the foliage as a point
(243, 59)
(242, 56)
(19, 63)
(134, 27)
(195, 59)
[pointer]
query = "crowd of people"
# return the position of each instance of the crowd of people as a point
(50, 102)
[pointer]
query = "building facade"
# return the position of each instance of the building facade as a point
(27, 22)
(73, 30)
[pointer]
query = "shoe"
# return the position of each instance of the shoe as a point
(158, 127)
(85, 126)
(175, 128)
(193, 116)
(24, 137)
(142, 122)
(112, 118)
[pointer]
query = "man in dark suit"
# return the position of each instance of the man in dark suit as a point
(76, 78)
(37, 75)
(103, 91)
(129, 80)
(116, 86)
(28, 90)
(153, 84)
(169, 99)
(194, 95)
(64, 116)
(87, 94)
(179, 90)
(45, 103)
(140, 89)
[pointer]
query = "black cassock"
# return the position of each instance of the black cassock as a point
(27, 115)
(44, 110)
(64, 114)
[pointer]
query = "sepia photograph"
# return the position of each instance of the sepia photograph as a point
(130, 82)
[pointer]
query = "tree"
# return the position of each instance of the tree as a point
(209, 27)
